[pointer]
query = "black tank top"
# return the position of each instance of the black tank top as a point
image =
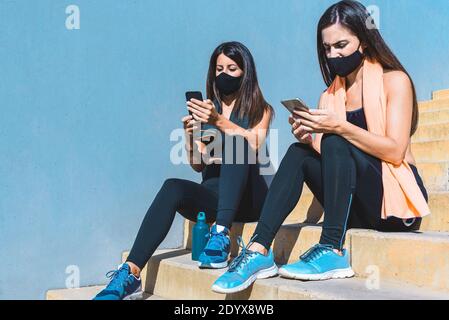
(357, 118)
(213, 170)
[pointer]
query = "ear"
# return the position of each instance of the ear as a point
(364, 47)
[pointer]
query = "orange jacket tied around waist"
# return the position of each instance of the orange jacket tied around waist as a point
(402, 196)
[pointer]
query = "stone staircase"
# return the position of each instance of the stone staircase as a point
(387, 265)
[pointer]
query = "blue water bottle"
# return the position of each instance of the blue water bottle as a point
(199, 233)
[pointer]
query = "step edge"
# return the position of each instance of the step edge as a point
(387, 284)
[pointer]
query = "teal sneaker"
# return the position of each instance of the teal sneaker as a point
(245, 269)
(123, 285)
(319, 263)
(216, 253)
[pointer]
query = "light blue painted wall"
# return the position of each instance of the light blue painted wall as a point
(86, 114)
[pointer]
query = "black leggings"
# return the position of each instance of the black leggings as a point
(237, 195)
(345, 180)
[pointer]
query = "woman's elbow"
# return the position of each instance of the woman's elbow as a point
(396, 163)
(397, 159)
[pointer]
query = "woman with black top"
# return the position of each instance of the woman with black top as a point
(358, 164)
(231, 190)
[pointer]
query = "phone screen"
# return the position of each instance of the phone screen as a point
(194, 95)
(295, 104)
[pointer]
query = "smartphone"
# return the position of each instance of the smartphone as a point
(295, 104)
(194, 95)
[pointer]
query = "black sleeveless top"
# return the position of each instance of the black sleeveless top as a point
(357, 118)
(213, 170)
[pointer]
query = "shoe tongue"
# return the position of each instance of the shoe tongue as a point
(126, 267)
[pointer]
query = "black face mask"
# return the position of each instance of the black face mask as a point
(227, 84)
(345, 65)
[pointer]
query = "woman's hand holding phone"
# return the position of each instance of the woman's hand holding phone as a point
(203, 111)
(189, 124)
(299, 131)
(319, 120)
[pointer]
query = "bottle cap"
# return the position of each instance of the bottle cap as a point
(201, 216)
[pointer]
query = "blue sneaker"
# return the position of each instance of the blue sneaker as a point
(216, 253)
(245, 269)
(123, 285)
(319, 263)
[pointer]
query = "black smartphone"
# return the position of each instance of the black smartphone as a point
(194, 95)
(295, 104)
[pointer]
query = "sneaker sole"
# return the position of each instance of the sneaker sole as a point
(134, 296)
(220, 265)
(262, 274)
(333, 274)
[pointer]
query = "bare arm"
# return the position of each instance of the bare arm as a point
(205, 112)
(195, 149)
(392, 147)
(255, 136)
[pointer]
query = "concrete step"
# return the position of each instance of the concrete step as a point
(431, 151)
(440, 94)
(434, 116)
(433, 105)
(173, 275)
(435, 175)
(85, 293)
(436, 131)
(308, 210)
(439, 219)
(420, 259)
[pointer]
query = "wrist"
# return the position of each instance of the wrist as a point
(340, 128)
(216, 120)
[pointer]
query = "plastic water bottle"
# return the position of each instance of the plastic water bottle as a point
(199, 233)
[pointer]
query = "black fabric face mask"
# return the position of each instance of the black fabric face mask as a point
(227, 84)
(345, 65)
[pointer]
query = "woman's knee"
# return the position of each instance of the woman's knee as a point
(299, 149)
(295, 156)
(173, 186)
(335, 145)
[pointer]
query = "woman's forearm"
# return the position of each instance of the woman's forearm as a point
(194, 155)
(384, 148)
(225, 125)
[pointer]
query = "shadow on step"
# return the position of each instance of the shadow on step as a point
(314, 212)
(285, 244)
(153, 267)
(242, 295)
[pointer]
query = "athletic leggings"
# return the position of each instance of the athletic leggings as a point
(345, 180)
(236, 195)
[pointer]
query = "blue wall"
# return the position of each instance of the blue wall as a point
(86, 114)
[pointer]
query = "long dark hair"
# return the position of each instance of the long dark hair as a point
(354, 16)
(250, 101)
